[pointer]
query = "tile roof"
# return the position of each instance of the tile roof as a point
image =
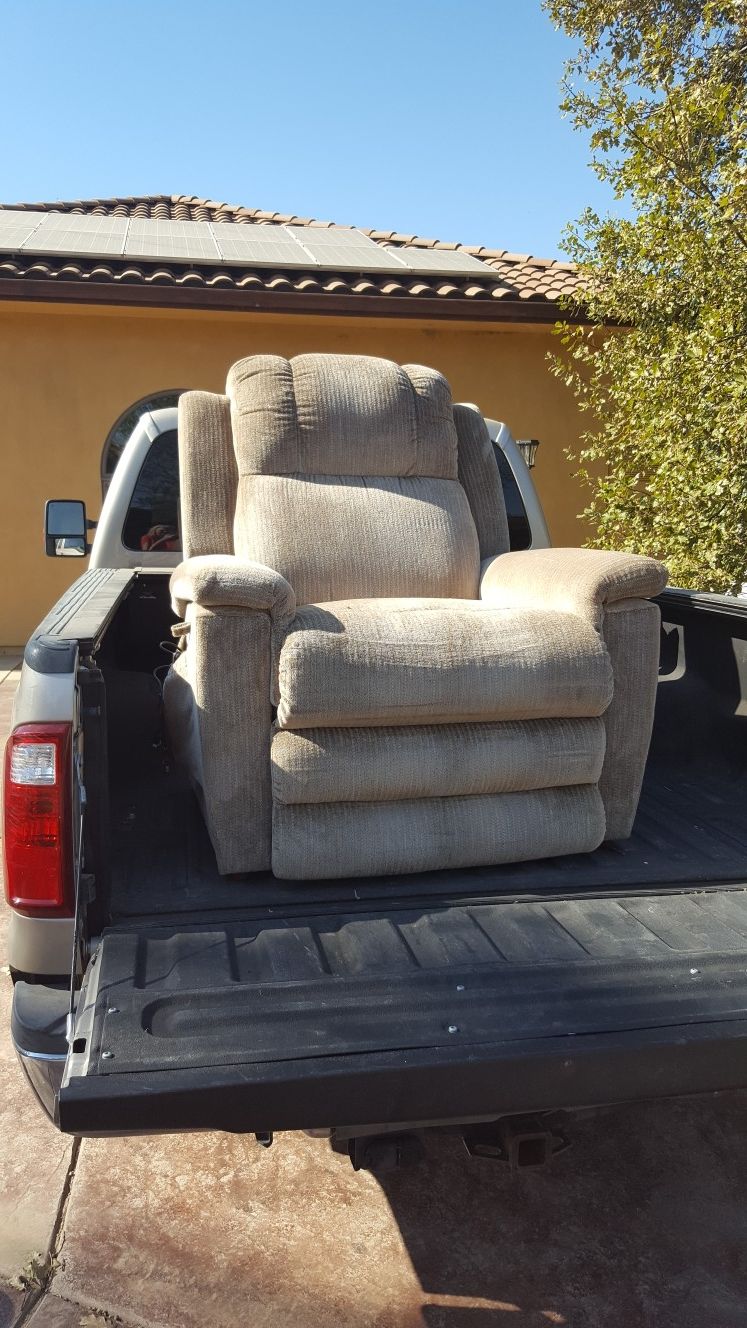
(524, 287)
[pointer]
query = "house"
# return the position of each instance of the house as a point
(106, 304)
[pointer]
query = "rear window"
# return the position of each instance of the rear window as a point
(152, 521)
(519, 531)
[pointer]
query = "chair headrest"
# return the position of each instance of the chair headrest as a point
(341, 415)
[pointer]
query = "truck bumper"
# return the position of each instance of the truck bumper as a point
(38, 1030)
(44, 1073)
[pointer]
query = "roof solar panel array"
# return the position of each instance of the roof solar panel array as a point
(334, 248)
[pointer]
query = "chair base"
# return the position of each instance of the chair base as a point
(345, 839)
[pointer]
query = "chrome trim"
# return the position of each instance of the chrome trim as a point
(37, 1055)
(45, 1079)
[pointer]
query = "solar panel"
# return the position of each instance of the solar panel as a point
(73, 233)
(443, 262)
(83, 221)
(259, 245)
(330, 235)
(16, 226)
(149, 237)
(348, 250)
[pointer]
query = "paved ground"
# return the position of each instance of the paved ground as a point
(642, 1224)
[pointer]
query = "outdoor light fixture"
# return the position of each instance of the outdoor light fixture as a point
(528, 448)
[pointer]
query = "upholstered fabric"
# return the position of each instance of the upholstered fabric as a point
(406, 661)
(208, 473)
(314, 841)
(227, 669)
(182, 719)
(360, 537)
(434, 760)
(223, 581)
(215, 581)
(631, 633)
(419, 725)
(581, 581)
(341, 415)
(481, 481)
(348, 477)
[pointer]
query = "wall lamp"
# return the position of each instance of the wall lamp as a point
(528, 448)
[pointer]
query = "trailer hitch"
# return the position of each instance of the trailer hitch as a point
(521, 1141)
(381, 1153)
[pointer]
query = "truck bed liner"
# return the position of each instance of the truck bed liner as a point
(691, 827)
(686, 832)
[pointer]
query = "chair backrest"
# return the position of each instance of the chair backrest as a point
(346, 477)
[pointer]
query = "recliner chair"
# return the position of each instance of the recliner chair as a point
(370, 683)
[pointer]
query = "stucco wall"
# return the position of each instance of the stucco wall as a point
(67, 373)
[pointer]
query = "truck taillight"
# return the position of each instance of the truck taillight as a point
(37, 838)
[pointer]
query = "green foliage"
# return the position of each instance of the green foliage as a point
(660, 86)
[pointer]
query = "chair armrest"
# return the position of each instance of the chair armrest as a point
(580, 581)
(224, 581)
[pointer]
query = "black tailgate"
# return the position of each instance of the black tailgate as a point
(405, 1015)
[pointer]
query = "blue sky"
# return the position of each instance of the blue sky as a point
(429, 116)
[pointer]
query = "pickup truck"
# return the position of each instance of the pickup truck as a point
(153, 994)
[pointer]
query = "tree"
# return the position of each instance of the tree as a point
(661, 88)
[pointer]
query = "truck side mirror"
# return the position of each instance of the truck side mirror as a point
(65, 528)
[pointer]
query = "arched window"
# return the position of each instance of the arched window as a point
(120, 433)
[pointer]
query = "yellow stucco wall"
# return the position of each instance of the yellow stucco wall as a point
(68, 372)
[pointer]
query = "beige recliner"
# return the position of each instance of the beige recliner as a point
(371, 682)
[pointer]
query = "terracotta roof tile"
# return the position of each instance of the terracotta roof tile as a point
(223, 279)
(249, 282)
(515, 279)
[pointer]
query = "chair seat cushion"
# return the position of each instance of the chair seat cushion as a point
(425, 661)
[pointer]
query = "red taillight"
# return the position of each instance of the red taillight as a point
(38, 820)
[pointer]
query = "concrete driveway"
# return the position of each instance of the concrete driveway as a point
(642, 1222)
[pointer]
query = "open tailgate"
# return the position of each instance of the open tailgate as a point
(367, 1018)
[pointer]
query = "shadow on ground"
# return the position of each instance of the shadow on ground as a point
(642, 1222)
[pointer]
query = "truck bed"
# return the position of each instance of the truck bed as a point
(690, 830)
